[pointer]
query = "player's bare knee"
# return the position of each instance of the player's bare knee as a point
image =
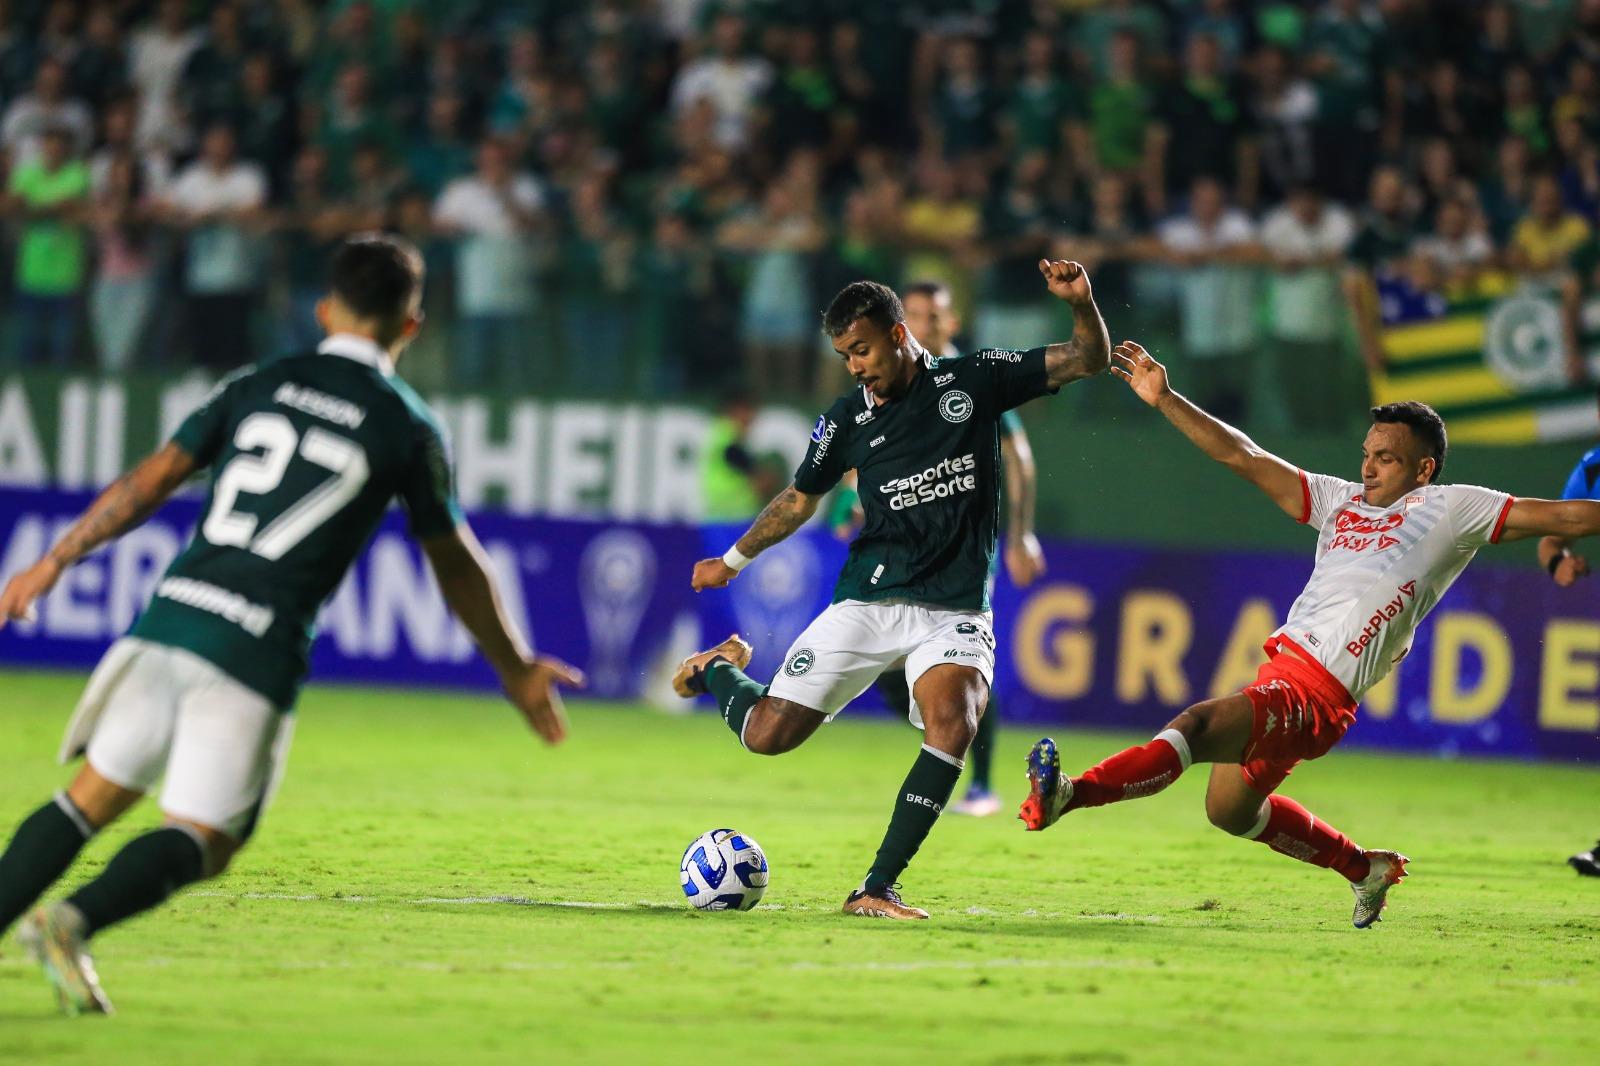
(1228, 818)
(217, 848)
(100, 800)
(774, 728)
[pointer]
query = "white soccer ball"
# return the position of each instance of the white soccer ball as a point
(724, 871)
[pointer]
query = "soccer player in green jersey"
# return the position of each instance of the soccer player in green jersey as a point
(923, 435)
(306, 454)
(932, 319)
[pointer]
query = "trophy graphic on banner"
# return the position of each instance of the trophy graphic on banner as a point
(616, 575)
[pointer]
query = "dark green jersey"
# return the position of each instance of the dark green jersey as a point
(306, 454)
(928, 471)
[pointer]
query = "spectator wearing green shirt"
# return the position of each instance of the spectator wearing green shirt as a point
(1041, 106)
(1346, 50)
(1123, 132)
(49, 196)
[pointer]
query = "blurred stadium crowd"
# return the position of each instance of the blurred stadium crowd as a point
(654, 197)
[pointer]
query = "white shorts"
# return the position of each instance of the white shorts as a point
(849, 645)
(153, 711)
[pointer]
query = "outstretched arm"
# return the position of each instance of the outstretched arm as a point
(1087, 353)
(529, 680)
(1280, 480)
(129, 500)
(1562, 519)
(788, 511)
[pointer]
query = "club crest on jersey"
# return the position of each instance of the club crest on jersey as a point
(800, 662)
(955, 406)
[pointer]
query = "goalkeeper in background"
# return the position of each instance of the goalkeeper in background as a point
(931, 317)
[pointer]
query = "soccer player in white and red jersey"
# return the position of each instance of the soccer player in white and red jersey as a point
(1388, 547)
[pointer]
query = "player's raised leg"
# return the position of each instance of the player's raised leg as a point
(951, 699)
(766, 725)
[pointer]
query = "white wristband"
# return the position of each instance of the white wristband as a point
(734, 560)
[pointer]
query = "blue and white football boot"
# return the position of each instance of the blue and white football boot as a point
(1049, 790)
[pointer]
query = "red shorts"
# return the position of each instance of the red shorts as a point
(1301, 711)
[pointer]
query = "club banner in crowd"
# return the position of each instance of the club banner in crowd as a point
(1111, 637)
(1496, 362)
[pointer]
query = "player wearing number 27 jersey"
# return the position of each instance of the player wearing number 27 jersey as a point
(1388, 547)
(306, 454)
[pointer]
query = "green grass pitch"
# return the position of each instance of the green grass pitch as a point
(434, 886)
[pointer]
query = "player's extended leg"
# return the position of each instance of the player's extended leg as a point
(951, 699)
(49, 839)
(1237, 802)
(1211, 731)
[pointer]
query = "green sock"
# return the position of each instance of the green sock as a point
(735, 694)
(44, 846)
(924, 794)
(983, 745)
(144, 873)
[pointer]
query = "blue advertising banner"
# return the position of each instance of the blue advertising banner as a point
(1115, 637)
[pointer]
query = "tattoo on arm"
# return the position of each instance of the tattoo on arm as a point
(1086, 354)
(119, 508)
(788, 511)
(126, 503)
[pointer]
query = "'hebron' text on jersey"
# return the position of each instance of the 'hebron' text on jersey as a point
(928, 472)
(305, 455)
(1380, 570)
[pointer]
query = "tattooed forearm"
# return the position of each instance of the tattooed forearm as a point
(119, 508)
(788, 511)
(129, 500)
(1086, 354)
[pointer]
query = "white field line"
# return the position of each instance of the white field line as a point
(623, 965)
(643, 904)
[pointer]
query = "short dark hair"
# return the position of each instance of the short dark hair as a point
(870, 300)
(377, 276)
(1424, 422)
(931, 289)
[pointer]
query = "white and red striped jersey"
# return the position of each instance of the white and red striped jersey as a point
(1380, 570)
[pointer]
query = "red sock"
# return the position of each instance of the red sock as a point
(1141, 771)
(1294, 831)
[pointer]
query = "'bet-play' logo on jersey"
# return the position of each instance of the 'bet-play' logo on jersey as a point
(955, 406)
(1402, 599)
